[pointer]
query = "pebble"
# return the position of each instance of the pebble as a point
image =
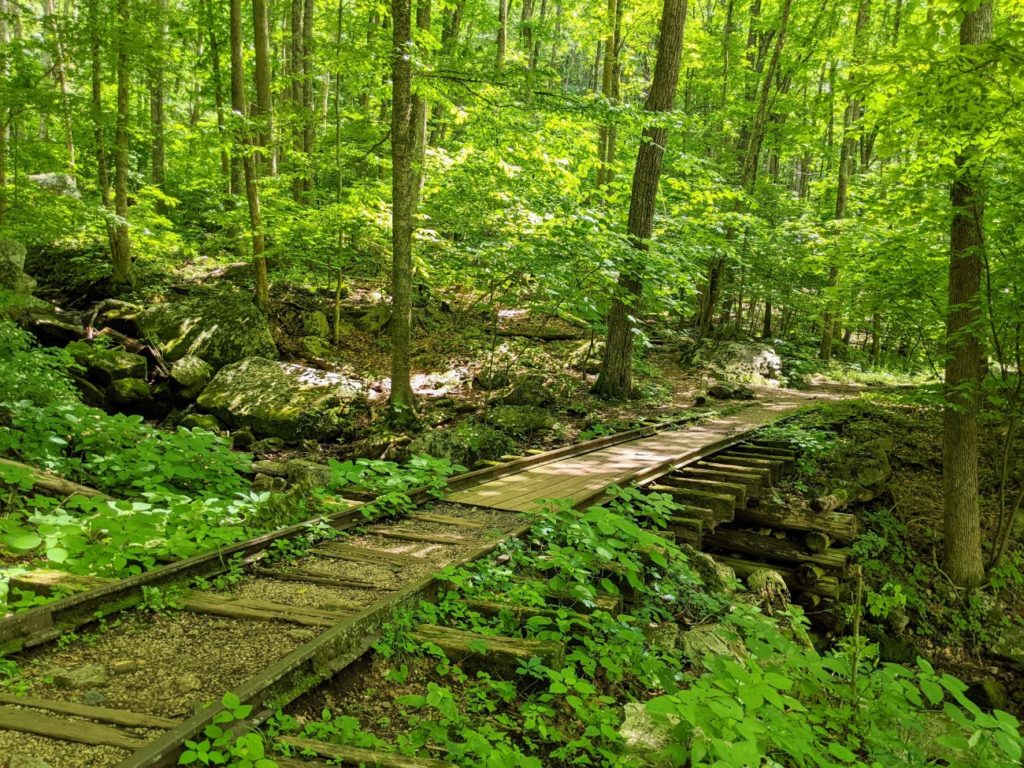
(94, 698)
(124, 666)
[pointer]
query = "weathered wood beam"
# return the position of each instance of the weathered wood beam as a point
(772, 548)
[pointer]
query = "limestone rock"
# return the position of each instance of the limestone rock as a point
(521, 419)
(12, 268)
(57, 183)
(218, 326)
(1009, 644)
(642, 734)
(94, 698)
(731, 392)
(315, 324)
(201, 421)
(316, 347)
(103, 365)
(88, 676)
(716, 639)
(265, 446)
(307, 473)
(467, 443)
(531, 390)
(127, 391)
(283, 400)
(375, 320)
(988, 694)
(191, 374)
(742, 360)
(587, 357)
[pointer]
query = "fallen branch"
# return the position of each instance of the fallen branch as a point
(47, 482)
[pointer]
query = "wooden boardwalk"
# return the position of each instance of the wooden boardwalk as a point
(584, 477)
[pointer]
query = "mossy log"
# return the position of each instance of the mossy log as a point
(772, 548)
(47, 482)
(750, 482)
(843, 528)
(788, 463)
(763, 474)
(353, 755)
(722, 505)
(500, 656)
(737, 490)
(45, 581)
(817, 541)
(775, 468)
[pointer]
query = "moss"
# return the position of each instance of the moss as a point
(283, 399)
(468, 443)
(127, 391)
(221, 327)
(105, 365)
(521, 419)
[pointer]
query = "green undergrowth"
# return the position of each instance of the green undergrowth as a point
(760, 694)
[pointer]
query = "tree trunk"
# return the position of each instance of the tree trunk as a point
(419, 110)
(308, 112)
(850, 116)
(402, 403)
(121, 255)
(963, 560)
(61, 76)
(226, 166)
(158, 172)
(264, 112)
(610, 90)
(502, 33)
(616, 377)
(243, 145)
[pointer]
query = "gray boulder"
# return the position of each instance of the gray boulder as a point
(375, 320)
(58, 183)
(191, 374)
(1009, 644)
(643, 735)
(12, 268)
(283, 400)
(530, 389)
(220, 327)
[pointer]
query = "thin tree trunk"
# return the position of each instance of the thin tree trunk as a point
(121, 255)
(308, 113)
(502, 33)
(158, 174)
(851, 116)
(243, 145)
(61, 76)
(264, 105)
(963, 560)
(419, 110)
(226, 166)
(4, 114)
(402, 401)
(610, 90)
(616, 377)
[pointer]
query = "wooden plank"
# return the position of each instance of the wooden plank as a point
(362, 757)
(252, 609)
(723, 505)
(316, 577)
(352, 553)
(46, 581)
(764, 474)
(736, 490)
(100, 714)
(78, 732)
(752, 483)
(772, 548)
(731, 459)
(787, 464)
(462, 522)
(768, 451)
(430, 538)
(500, 655)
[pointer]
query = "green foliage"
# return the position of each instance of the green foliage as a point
(29, 373)
(223, 746)
(390, 482)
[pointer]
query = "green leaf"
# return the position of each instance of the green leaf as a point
(844, 754)
(23, 541)
(57, 554)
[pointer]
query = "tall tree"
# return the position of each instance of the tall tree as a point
(615, 379)
(158, 155)
(264, 106)
(963, 559)
(121, 253)
(403, 196)
(846, 160)
(243, 146)
(610, 90)
(502, 33)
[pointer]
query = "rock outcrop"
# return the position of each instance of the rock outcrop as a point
(283, 400)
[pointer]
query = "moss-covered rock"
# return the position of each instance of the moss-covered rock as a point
(104, 365)
(531, 389)
(467, 443)
(283, 400)
(315, 346)
(315, 324)
(221, 327)
(586, 358)
(12, 268)
(127, 391)
(375, 320)
(201, 421)
(191, 374)
(521, 419)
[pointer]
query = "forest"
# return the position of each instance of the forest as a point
(511, 383)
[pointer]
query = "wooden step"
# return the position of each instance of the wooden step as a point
(99, 714)
(763, 474)
(499, 655)
(429, 538)
(521, 613)
(788, 462)
(341, 551)
(241, 608)
(840, 526)
(739, 460)
(316, 577)
(772, 548)
(78, 732)
(687, 530)
(462, 522)
(750, 482)
(736, 490)
(769, 451)
(355, 756)
(784, 445)
(47, 581)
(723, 505)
